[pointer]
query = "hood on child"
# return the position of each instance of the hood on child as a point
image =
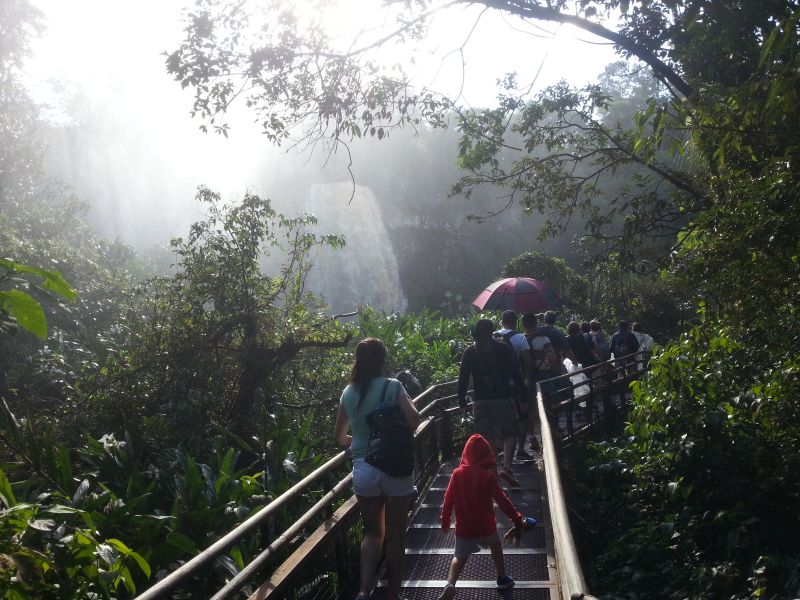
(478, 453)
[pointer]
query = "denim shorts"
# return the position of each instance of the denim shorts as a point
(370, 482)
(467, 546)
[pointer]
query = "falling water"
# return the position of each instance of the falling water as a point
(365, 271)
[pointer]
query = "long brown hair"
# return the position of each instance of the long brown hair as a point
(370, 362)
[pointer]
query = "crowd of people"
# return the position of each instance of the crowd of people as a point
(503, 366)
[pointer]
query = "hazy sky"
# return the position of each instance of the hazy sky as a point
(149, 151)
(109, 45)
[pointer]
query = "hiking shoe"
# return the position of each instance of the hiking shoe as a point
(507, 475)
(504, 582)
(448, 593)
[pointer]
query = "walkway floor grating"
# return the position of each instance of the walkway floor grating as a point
(429, 549)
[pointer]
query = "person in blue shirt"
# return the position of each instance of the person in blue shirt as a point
(384, 500)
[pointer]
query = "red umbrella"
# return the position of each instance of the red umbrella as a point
(522, 294)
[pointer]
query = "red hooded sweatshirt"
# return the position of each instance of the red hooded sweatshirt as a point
(471, 490)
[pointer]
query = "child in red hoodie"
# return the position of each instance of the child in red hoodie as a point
(472, 488)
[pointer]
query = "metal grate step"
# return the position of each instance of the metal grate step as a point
(522, 567)
(431, 538)
(466, 592)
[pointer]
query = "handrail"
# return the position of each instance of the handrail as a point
(206, 556)
(209, 554)
(570, 574)
(242, 577)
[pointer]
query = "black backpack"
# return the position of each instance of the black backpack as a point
(506, 337)
(621, 347)
(391, 441)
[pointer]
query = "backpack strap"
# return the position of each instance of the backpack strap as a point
(383, 391)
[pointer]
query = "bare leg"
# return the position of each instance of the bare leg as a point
(372, 513)
(497, 556)
(456, 566)
(396, 522)
(508, 451)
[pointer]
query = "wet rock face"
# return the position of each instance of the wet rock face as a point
(365, 271)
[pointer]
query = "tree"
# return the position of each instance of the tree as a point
(206, 345)
(296, 77)
(571, 286)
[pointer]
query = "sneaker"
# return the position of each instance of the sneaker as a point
(522, 455)
(448, 593)
(507, 475)
(504, 582)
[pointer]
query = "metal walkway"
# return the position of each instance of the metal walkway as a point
(429, 549)
(304, 544)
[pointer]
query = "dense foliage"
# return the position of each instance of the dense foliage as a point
(700, 500)
(161, 411)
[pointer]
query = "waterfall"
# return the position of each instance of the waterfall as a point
(365, 271)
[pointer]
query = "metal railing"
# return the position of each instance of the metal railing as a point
(336, 522)
(589, 398)
(595, 407)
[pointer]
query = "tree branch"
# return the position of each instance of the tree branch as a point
(528, 9)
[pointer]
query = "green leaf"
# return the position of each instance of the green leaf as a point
(143, 564)
(236, 555)
(43, 524)
(107, 554)
(119, 545)
(53, 280)
(182, 541)
(6, 493)
(27, 311)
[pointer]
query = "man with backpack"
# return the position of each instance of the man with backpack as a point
(508, 333)
(491, 364)
(624, 343)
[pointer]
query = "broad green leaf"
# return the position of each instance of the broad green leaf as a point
(236, 555)
(27, 311)
(53, 280)
(119, 545)
(43, 524)
(143, 564)
(107, 553)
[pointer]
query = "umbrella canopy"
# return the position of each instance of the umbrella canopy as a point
(521, 294)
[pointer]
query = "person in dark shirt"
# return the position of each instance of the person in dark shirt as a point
(491, 364)
(580, 348)
(624, 343)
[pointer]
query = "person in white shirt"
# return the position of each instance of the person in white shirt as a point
(645, 345)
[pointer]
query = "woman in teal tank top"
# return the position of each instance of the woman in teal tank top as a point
(384, 501)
